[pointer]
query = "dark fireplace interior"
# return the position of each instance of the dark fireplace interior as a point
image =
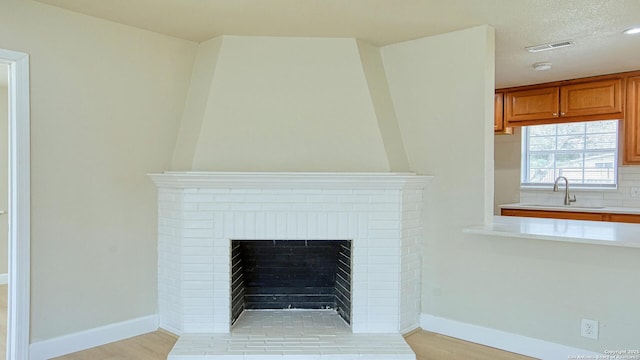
(291, 274)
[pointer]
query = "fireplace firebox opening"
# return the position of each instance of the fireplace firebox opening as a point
(291, 274)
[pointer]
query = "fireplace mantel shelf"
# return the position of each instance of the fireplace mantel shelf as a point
(289, 180)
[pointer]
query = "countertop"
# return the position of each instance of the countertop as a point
(575, 231)
(573, 208)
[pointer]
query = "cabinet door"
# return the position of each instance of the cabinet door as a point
(537, 104)
(498, 111)
(632, 123)
(552, 214)
(591, 98)
(628, 218)
(498, 115)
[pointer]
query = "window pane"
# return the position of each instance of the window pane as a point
(542, 130)
(600, 160)
(542, 143)
(573, 175)
(541, 176)
(571, 128)
(600, 168)
(585, 153)
(539, 161)
(602, 126)
(601, 141)
(572, 142)
(569, 160)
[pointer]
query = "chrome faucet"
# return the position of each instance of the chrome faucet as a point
(567, 199)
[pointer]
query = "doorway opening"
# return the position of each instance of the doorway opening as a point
(18, 210)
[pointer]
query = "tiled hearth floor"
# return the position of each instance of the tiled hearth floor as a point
(291, 334)
(290, 323)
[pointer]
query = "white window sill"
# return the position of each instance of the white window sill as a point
(573, 231)
(571, 188)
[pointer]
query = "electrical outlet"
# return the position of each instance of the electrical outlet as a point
(635, 191)
(589, 329)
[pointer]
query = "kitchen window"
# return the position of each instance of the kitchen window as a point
(586, 153)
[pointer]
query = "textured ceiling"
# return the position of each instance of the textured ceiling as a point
(595, 25)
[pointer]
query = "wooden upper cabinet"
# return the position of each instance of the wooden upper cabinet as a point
(536, 104)
(498, 115)
(592, 98)
(632, 123)
(498, 118)
(566, 101)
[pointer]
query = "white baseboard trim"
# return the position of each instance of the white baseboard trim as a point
(83, 340)
(410, 329)
(4, 279)
(518, 344)
(170, 329)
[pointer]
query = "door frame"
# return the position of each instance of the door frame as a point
(19, 210)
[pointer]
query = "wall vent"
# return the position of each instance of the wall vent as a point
(549, 46)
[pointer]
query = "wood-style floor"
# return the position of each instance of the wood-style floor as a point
(156, 345)
(427, 346)
(432, 346)
(152, 346)
(3, 321)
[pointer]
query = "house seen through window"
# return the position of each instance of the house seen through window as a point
(585, 153)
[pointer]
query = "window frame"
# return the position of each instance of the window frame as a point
(525, 165)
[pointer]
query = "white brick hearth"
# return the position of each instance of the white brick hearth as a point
(199, 213)
(296, 334)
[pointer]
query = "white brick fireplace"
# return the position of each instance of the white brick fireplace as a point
(200, 213)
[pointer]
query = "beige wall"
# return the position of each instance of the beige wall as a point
(383, 105)
(284, 104)
(507, 155)
(439, 87)
(539, 289)
(106, 105)
(442, 117)
(4, 174)
(196, 104)
(106, 101)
